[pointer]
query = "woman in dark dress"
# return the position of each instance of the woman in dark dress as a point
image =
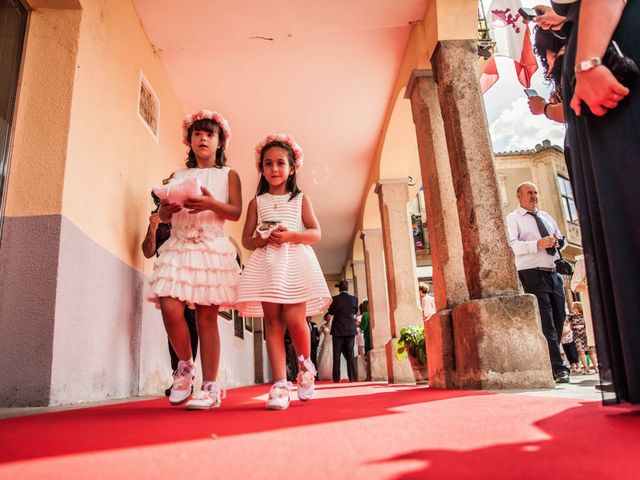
(605, 168)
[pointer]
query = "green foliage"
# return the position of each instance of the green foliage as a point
(411, 341)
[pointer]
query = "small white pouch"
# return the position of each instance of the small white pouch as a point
(264, 229)
(179, 191)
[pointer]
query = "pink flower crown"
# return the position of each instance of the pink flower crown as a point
(202, 114)
(286, 139)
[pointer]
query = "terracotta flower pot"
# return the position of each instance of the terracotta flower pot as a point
(419, 371)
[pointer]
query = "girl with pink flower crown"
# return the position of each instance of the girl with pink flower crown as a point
(282, 281)
(197, 264)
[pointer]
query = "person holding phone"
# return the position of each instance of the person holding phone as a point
(549, 48)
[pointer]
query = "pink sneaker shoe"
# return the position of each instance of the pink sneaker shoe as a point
(279, 395)
(182, 382)
(306, 378)
(207, 398)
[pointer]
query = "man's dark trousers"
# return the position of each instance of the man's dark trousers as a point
(548, 289)
(344, 346)
(343, 331)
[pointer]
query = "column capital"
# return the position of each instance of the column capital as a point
(391, 181)
(370, 232)
(357, 262)
(415, 75)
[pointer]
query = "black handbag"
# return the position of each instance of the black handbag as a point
(563, 267)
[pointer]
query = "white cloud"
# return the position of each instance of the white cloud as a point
(512, 126)
(517, 129)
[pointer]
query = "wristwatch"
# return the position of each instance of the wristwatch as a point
(586, 65)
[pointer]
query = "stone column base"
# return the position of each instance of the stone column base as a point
(398, 371)
(441, 358)
(499, 344)
(362, 368)
(378, 365)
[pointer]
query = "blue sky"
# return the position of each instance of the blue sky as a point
(511, 124)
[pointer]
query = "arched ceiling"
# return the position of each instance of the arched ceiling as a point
(323, 71)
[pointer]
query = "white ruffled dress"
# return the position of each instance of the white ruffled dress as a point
(287, 273)
(197, 264)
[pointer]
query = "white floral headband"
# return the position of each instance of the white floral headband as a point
(201, 115)
(287, 140)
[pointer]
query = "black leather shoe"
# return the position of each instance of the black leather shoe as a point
(562, 377)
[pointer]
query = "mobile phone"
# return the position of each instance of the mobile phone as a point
(530, 92)
(527, 13)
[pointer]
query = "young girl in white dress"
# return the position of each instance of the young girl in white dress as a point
(282, 281)
(197, 264)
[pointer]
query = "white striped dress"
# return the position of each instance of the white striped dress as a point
(287, 273)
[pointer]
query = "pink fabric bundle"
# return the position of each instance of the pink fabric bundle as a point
(180, 191)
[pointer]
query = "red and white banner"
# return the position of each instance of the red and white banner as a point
(504, 14)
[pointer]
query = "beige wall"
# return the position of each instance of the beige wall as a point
(38, 157)
(113, 159)
(80, 148)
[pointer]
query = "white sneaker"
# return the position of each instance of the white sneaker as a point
(279, 396)
(182, 382)
(207, 398)
(306, 379)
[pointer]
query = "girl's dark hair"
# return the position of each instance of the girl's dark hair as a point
(364, 306)
(547, 41)
(211, 126)
(292, 181)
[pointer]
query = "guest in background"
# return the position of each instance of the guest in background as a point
(581, 340)
(569, 346)
(157, 234)
(344, 330)
(315, 340)
(325, 359)
(427, 303)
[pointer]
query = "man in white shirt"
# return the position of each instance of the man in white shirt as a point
(534, 237)
(426, 301)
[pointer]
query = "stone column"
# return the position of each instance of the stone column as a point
(449, 283)
(498, 340)
(400, 263)
(378, 302)
(359, 279)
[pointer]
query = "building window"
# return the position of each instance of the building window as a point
(148, 107)
(13, 24)
(568, 203)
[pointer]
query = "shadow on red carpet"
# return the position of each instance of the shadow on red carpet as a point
(588, 441)
(154, 422)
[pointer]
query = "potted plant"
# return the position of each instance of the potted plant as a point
(412, 343)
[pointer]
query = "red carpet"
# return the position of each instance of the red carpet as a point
(347, 431)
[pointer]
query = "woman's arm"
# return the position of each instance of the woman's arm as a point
(553, 111)
(597, 87)
(229, 211)
(249, 241)
(548, 19)
(310, 236)
(149, 243)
